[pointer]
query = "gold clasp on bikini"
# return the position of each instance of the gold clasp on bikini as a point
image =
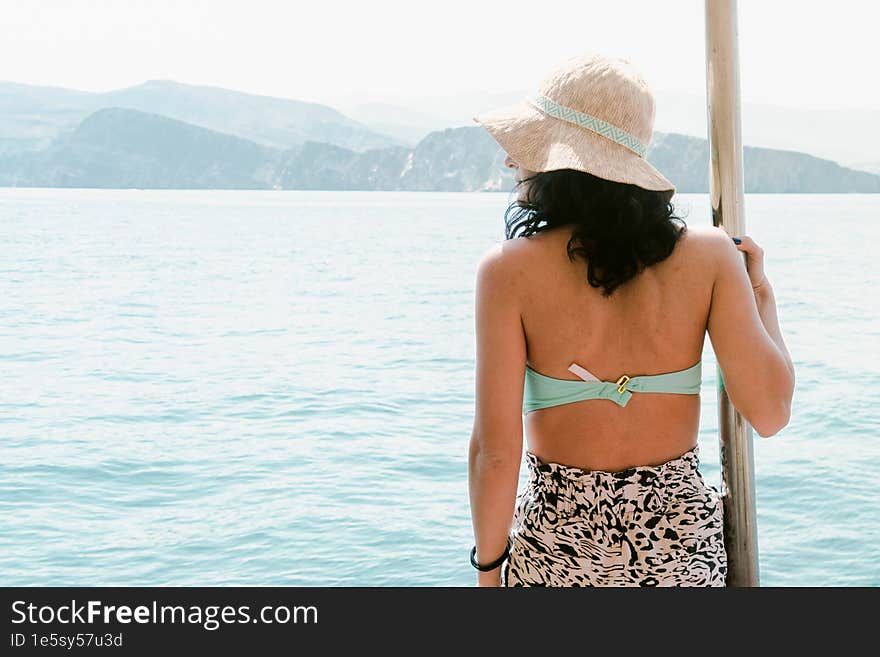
(621, 384)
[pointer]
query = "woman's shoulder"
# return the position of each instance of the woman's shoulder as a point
(705, 235)
(705, 241)
(510, 251)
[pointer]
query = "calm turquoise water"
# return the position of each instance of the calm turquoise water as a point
(276, 388)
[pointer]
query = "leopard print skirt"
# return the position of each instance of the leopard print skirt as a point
(657, 525)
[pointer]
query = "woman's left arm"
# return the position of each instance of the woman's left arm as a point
(496, 443)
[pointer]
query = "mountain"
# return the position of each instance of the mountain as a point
(120, 147)
(276, 122)
(873, 166)
(405, 125)
(684, 160)
(413, 120)
(845, 135)
(31, 116)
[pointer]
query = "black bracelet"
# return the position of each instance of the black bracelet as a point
(494, 564)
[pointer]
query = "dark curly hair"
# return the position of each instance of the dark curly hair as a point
(618, 228)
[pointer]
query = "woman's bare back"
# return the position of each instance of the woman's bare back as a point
(653, 324)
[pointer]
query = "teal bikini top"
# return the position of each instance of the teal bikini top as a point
(541, 391)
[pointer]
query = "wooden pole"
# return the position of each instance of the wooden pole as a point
(726, 190)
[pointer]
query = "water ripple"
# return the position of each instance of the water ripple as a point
(237, 388)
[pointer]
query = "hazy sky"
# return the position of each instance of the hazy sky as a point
(792, 53)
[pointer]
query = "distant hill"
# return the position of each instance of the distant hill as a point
(685, 161)
(32, 116)
(123, 148)
(405, 125)
(120, 147)
(872, 166)
(846, 135)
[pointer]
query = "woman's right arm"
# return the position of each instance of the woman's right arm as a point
(755, 364)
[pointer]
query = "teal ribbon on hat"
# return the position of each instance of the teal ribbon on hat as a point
(589, 122)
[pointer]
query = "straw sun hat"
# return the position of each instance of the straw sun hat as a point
(593, 113)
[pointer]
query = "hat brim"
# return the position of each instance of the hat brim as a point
(540, 142)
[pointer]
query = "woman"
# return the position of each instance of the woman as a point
(600, 305)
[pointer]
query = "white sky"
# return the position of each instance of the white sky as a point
(807, 54)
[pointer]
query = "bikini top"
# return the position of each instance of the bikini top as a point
(542, 391)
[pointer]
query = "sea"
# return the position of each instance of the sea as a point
(275, 388)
